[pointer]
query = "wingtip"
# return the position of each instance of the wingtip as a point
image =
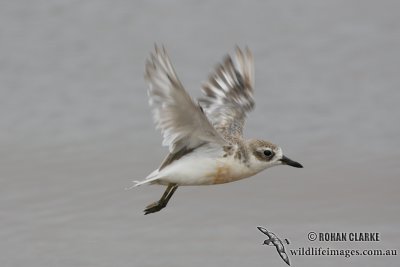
(155, 47)
(246, 51)
(160, 49)
(262, 229)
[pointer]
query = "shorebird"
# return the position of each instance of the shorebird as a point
(205, 139)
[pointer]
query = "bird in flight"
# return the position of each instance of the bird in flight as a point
(273, 240)
(205, 139)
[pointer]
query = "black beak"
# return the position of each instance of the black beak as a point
(285, 160)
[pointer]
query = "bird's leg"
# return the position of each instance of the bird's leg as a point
(162, 203)
(158, 205)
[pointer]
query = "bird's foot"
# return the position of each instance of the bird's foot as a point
(154, 207)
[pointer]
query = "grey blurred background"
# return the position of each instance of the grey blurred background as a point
(76, 129)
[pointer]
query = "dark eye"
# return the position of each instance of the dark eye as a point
(268, 153)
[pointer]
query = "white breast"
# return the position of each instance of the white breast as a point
(200, 168)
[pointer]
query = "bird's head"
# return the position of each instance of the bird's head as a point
(264, 155)
(268, 242)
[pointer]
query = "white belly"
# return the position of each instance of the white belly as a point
(197, 170)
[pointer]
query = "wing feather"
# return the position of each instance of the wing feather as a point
(229, 93)
(183, 124)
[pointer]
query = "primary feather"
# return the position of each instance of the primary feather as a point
(183, 124)
(229, 94)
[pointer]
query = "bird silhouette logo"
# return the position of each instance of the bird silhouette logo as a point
(273, 240)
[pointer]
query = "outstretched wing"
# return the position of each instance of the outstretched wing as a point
(229, 93)
(266, 232)
(183, 124)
